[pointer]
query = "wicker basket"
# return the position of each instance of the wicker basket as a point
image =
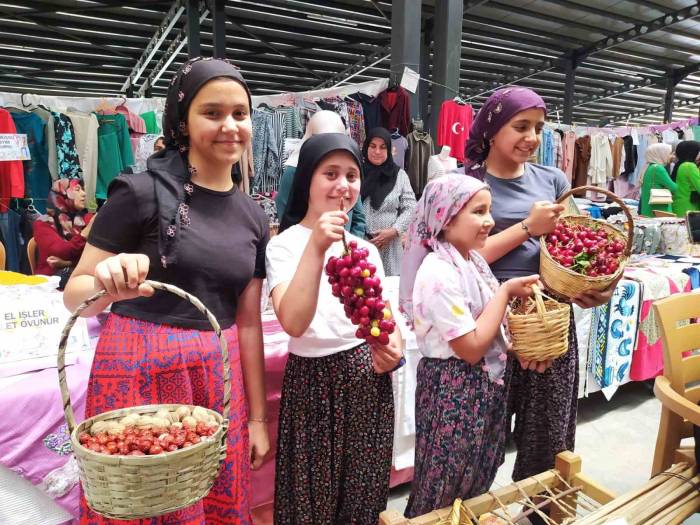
(132, 487)
(539, 327)
(567, 283)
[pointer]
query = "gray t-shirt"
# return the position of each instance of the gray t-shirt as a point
(511, 203)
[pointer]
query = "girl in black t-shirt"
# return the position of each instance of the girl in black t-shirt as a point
(185, 222)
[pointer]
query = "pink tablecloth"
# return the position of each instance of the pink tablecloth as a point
(34, 439)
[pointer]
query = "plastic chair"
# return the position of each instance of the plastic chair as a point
(679, 388)
(2, 257)
(32, 254)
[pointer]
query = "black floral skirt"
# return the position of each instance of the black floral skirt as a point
(335, 440)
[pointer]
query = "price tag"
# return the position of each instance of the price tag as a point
(409, 79)
(13, 146)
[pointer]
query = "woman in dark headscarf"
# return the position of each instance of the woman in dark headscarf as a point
(336, 415)
(687, 177)
(185, 222)
(505, 133)
(60, 234)
(387, 197)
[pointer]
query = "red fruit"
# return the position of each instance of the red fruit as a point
(372, 268)
(346, 291)
(383, 338)
(94, 446)
(136, 453)
(364, 311)
(104, 450)
(172, 447)
(359, 334)
(112, 447)
(335, 290)
(155, 449)
(190, 436)
(187, 444)
(196, 439)
(123, 449)
(84, 438)
(102, 438)
(344, 272)
(179, 440)
(145, 445)
(371, 302)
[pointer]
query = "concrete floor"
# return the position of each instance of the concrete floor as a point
(615, 439)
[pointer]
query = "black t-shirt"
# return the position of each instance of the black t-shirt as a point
(218, 254)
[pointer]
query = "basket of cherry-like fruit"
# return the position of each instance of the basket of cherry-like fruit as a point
(582, 253)
(144, 461)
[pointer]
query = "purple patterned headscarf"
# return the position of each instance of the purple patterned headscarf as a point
(498, 109)
(442, 199)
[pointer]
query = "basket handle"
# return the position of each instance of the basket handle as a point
(65, 393)
(539, 304)
(613, 197)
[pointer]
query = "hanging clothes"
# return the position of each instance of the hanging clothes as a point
(144, 150)
(545, 153)
(581, 161)
(399, 147)
(356, 121)
(267, 145)
(151, 121)
(618, 148)
(86, 126)
(421, 147)
(633, 176)
(396, 109)
(114, 150)
(67, 159)
(371, 110)
(558, 149)
(454, 124)
(292, 121)
(601, 162)
(11, 171)
(630, 155)
(37, 179)
(569, 154)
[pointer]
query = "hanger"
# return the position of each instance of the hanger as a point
(459, 100)
(122, 103)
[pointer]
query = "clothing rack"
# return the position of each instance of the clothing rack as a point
(372, 88)
(622, 131)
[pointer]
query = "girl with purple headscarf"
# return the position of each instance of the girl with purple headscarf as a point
(505, 133)
(456, 308)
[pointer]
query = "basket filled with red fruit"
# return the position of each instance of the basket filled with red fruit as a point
(144, 461)
(583, 254)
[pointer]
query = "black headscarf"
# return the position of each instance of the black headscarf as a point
(311, 154)
(379, 180)
(686, 151)
(170, 167)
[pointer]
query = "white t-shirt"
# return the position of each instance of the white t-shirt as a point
(443, 310)
(330, 330)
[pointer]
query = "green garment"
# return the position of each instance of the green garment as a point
(688, 180)
(357, 225)
(655, 177)
(151, 122)
(114, 152)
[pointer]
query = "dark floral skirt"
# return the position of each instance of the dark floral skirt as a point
(460, 433)
(336, 430)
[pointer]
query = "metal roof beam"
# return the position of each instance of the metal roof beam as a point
(581, 54)
(166, 59)
(657, 109)
(646, 82)
(47, 8)
(171, 18)
(60, 31)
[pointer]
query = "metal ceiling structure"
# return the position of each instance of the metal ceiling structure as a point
(627, 56)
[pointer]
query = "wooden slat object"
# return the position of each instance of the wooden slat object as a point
(679, 403)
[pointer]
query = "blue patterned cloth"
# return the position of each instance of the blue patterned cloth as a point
(66, 152)
(614, 334)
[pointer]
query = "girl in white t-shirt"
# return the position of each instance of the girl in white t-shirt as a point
(336, 415)
(457, 308)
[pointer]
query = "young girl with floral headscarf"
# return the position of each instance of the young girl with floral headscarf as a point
(504, 135)
(456, 308)
(185, 222)
(60, 234)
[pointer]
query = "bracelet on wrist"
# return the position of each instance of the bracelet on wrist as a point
(257, 420)
(525, 227)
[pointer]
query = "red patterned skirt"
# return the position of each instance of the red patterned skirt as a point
(141, 363)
